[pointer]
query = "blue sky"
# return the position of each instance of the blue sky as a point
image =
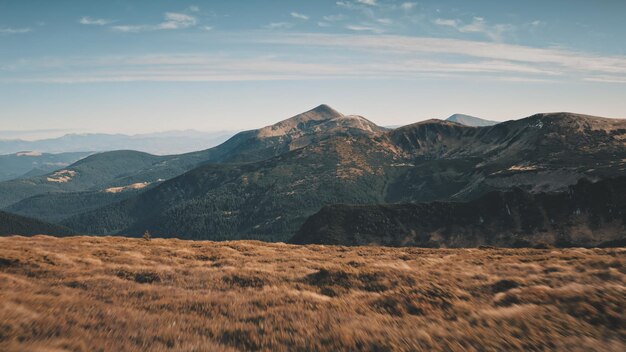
(152, 65)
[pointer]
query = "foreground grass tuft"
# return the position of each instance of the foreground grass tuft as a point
(120, 294)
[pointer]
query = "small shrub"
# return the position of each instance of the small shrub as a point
(504, 285)
(141, 277)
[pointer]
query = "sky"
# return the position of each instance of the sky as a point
(154, 65)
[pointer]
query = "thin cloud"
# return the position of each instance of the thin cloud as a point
(346, 4)
(8, 30)
(367, 2)
(478, 25)
(408, 5)
(380, 56)
(362, 28)
(333, 18)
(86, 20)
(300, 16)
(606, 79)
(175, 20)
(169, 67)
(133, 28)
(444, 22)
(171, 20)
(279, 25)
(555, 59)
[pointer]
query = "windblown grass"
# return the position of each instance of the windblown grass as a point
(120, 294)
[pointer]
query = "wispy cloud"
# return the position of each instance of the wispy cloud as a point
(363, 28)
(94, 21)
(408, 5)
(8, 30)
(279, 25)
(333, 18)
(549, 59)
(478, 25)
(194, 67)
(133, 28)
(299, 16)
(362, 56)
(347, 4)
(370, 14)
(171, 20)
(606, 79)
(175, 20)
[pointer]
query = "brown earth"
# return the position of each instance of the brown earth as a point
(121, 294)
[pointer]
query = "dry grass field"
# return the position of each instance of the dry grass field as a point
(120, 294)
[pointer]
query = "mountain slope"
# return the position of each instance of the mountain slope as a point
(428, 161)
(267, 199)
(124, 168)
(57, 206)
(587, 214)
(310, 127)
(471, 120)
(97, 171)
(543, 152)
(11, 224)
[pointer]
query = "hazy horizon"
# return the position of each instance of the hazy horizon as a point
(40, 134)
(132, 67)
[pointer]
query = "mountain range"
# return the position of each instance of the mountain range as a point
(265, 183)
(162, 143)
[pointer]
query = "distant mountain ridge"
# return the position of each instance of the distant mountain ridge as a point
(468, 120)
(171, 142)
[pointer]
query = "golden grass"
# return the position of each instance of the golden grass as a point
(120, 294)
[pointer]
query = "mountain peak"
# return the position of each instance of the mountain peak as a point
(325, 109)
(468, 120)
(318, 114)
